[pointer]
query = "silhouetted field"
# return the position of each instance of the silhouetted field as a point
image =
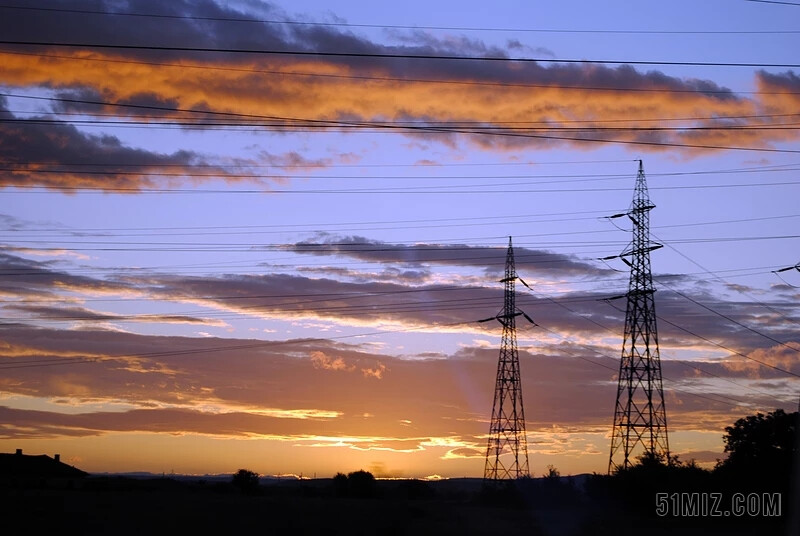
(560, 506)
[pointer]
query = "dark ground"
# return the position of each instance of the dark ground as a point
(565, 506)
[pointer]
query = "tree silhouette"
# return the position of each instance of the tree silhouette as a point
(760, 451)
(361, 483)
(340, 484)
(552, 473)
(760, 446)
(246, 481)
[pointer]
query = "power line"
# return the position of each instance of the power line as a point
(475, 127)
(332, 296)
(378, 55)
(735, 352)
(20, 235)
(20, 188)
(334, 312)
(682, 362)
(361, 247)
(764, 305)
(418, 259)
(278, 122)
(326, 165)
(743, 272)
(329, 226)
(429, 129)
(493, 220)
(553, 179)
(733, 321)
(394, 26)
(732, 351)
(616, 370)
(774, 2)
(730, 320)
(254, 117)
(384, 225)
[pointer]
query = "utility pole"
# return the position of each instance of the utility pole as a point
(640, 417)
(507, 450)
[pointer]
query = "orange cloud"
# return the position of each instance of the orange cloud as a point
(550, 105)
(376, 372)
(785, 356)
(323, 361)
(524, 103)
(203, 87)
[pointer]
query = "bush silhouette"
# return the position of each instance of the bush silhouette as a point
(356, 484)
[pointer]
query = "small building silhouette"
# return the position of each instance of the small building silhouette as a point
(20, 470)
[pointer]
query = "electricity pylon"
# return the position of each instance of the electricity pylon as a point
(507, 451)
(640, 417)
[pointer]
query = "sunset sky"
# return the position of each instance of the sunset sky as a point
(250, 234)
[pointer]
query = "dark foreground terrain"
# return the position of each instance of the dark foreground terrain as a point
(547, 506)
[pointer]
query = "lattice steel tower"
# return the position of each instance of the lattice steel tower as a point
(507, 451)
(640, 417)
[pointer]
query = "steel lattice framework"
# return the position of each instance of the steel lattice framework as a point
(507, 451)
(640, 417)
